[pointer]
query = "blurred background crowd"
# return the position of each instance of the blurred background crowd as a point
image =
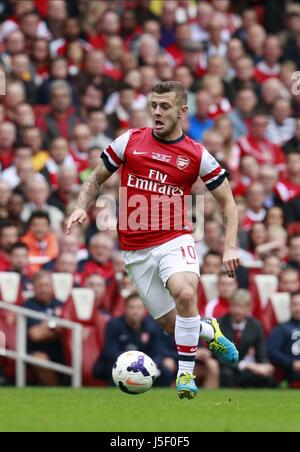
(78, 75)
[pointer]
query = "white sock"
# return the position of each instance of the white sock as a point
(187, 332)
(207, 331)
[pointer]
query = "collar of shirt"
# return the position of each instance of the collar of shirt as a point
(239, 326)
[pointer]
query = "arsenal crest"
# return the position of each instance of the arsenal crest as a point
(182, 162)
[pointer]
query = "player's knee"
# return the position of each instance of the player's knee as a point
(185, 296)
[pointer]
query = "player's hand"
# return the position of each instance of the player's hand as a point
(231, 261)
(78, 216)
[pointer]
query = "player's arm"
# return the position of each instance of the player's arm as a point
(224, 197)
(89, 194)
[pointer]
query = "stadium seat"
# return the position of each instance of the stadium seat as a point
(264, 287)
(10, 288)
(10, 292)
(267, 285)
(210, 286)
(281, 302)
(62, 285)
(81, 308)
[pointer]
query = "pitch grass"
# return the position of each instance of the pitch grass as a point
(109, 410)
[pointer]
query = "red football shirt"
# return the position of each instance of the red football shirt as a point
(156, 177)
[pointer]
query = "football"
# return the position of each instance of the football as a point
(134, 372)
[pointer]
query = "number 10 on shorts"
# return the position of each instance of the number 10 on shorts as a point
(189, 254)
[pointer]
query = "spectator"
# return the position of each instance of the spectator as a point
(37, 193)
(271, 90)
(257, 145)
(44, 337)
(200, 29)
(132, 331)
(244, 76)
(253, 369)
(275, 216)
(62, 118)
(240, 116)
(40, 57)
(100, 262)
(21, 71)
(294, 143)
(19, 259)
(56, 16)
(283, 347)
(98, 284)
(93, 160)
(281, 127)
(256, 211)
(212, 239)
(7, 140)
(14, 43)
(5, 194)
(289, 280)
(58, 71)
(94, 73)
(183, 74)
(98, 124)
(12, 175)
(294, 254)
(219, 306)
(15, 95)
(32, 138)
(59, 158)
(272, 266)
(212, 263)
(82, 139)
(121, 117)
(67, 179)
(269, 66)
(231, 151)
(255, 42)
(15, 207)
(9, 236)
(201, 121)
(40, 240)
(91, 99)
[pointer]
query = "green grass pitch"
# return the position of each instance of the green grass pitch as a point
(160, 410)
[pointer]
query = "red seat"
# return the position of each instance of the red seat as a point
(81, 308)
(262, 308)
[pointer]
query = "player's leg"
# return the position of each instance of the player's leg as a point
(183, 288)
(179, 271)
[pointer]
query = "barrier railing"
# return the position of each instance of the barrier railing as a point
(21, 356)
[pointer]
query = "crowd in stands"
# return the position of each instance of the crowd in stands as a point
(78, 75)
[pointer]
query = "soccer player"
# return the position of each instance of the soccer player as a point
(160, 165)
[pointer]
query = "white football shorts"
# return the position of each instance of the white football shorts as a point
(151, 268)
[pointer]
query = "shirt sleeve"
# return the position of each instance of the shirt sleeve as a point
(113, 155)
(212, 174)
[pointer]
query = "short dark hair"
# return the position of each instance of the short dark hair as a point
(212, 253)
(39, 215)
(132, 296)
(19, 246)
(172, 86)
(7, 223)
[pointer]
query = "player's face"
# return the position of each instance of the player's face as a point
(166, 113)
